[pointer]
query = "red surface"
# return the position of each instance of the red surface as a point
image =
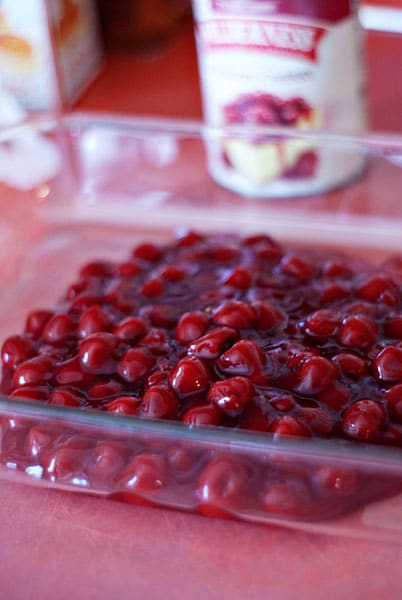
(81, 547)
(70, 546)
(162, 81)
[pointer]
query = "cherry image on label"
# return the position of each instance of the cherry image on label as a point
(240, 336)
(263, 159)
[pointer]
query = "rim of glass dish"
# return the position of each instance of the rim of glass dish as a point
(197, 128)
(338, 449)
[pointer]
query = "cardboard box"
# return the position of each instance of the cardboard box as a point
(49, 50)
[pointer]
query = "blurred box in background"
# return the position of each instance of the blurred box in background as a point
(49, 50)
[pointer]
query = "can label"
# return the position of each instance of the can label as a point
(279, 63)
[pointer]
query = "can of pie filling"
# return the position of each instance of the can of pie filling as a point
(281, 63)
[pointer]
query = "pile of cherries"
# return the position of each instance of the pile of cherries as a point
(214, 330)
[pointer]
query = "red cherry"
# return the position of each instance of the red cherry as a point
(135, 364)
(123, 405)
(213, 343)
(34, 371)
(172, 273)
(160, 402)
(269, 318)
(238, 277)
(104, 389)
(97, 353)
(331, 292)
(65, 464)
(322, 323)
(297, 354)
(69, 372)
(243, 358)
(157, 377)
(350, 365)
(182, 461)
(93, 320)
(156, 341)
(393, 398)
(39, 439)
(290, 498)
(239, 315)
(205, 414)
(188, 238)
(231, 395)
(222, 485)
(36, 321)
(107, 459)
(83, 302)
(191, 326)
(337, 481)
(15, 350)
(189, 376)
(130, 329)
(76, 289)
(259, 238)
(65, 397)
(296, 266)
(145, 473)
(128, 269)
(375, 288)
(223, 253)
(335, 268)
(13, 441)
(358, 332)
(363, 420)
(316, 373)
(287, 425)
(263, 247)
(96, 269)
(152, 288)
(359, 308)
(59, 328)
(147, 252)
(387, 365)
(32, 392)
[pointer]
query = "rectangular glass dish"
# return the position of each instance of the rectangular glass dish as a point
(87, 188)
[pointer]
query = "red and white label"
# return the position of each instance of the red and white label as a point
(297, 39)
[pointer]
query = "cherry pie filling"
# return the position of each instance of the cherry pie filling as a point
(215, 330)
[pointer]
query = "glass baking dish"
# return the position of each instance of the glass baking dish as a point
(84, 188)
